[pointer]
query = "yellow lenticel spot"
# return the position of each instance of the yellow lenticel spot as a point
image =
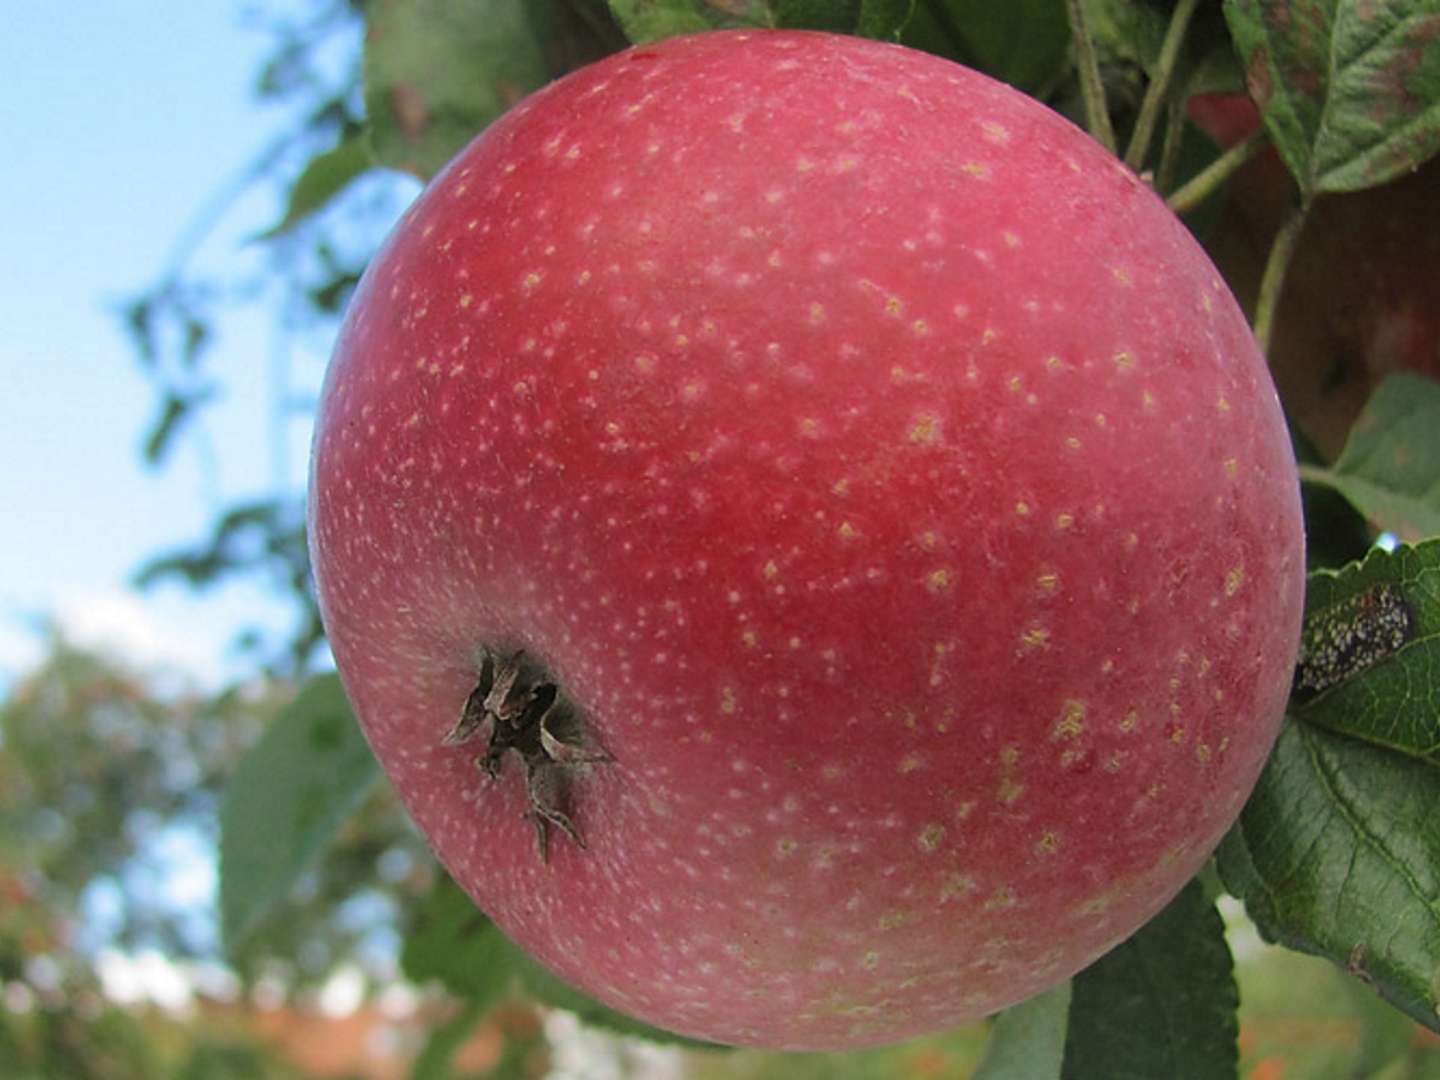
(1002, 897)
(1035, 638)
(770, 570)
(930, 836)
(1064, 521)
(937, 580)
(1048, 843)
(1071, 722)
(1125, 360)
(956, 885)
(1022, 508)
(1234, 578)
(926, 429)
(1048, 582)
(727, 700)
(847, 531)
(995, 132)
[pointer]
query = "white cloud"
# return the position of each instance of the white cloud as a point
(135, 628)
(181, 635)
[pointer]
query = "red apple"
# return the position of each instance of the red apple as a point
(1361, 299)
(841, 513)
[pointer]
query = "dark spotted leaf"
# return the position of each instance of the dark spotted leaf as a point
(1390, 467)
(1350, 89)
(305, 776)
(1370, 652)
(1162, 1003)
(1337, 853)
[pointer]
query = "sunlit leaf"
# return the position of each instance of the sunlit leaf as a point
(301, 781)
(437, 72)
(1029, 1039)
(321, 181)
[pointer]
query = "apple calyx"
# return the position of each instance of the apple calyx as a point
(518, 707)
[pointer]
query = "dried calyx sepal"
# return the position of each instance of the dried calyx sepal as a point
(515, 706)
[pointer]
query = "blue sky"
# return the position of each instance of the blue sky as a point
(119, 122)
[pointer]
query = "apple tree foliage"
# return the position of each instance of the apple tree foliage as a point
(1337, 853)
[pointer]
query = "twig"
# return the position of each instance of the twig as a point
(1097, 114)
(1200, 186)
(1273, 280)
(1159, 84)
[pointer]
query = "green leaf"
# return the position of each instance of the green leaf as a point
(1337, 853)
(305, 776)
(881, 19)
(884, 20)
(1162, 1003)
(454, 942)
(1390, 467)
(1025, 43)
(1370, 652)
(651, 20)
(321, 181)
(437, 72)
(1350, 89)
(1028, 1039)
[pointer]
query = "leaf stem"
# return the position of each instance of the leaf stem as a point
(1273, 280)
(1315, 474)
(1170, 148)
(1097, 114)
(1159, 84)
(1209, 179)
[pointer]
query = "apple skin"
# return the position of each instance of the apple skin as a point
(885, 475)
(1361, 299)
